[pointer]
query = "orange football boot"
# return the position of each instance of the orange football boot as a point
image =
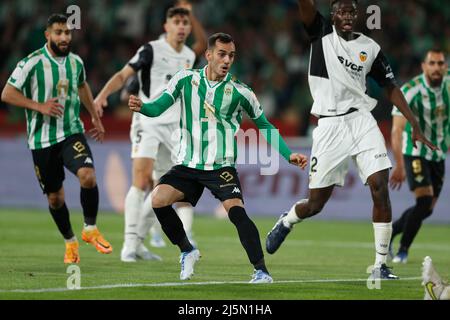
(95, 238)
(72, 255)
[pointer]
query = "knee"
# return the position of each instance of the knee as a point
(55, 200)
(380, 194)
(159, 200)
(87, 178)
(142, 179)
(424, 206)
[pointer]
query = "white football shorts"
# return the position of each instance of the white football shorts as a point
(155, 141)
(337, 139)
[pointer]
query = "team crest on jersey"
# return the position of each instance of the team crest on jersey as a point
(363, 56)
(194, 83)
(227, 91)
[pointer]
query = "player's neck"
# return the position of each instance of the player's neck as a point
(177, 46)
(347, 36)
(211, 75)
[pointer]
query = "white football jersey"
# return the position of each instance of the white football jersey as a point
(156, 63)
(338, 69)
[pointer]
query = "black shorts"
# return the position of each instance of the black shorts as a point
(73, 153)
(421, 173)
(223, 183)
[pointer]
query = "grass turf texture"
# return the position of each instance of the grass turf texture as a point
(314, 255)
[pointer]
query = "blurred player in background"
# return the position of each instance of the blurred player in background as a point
(212, 103)
(340, 62)
(49, 84)
(428, 96)
(155, 63)
(435, 287)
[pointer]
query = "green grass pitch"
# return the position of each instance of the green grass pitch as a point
(319, 260)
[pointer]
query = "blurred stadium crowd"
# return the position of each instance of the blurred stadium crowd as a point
(273, 51)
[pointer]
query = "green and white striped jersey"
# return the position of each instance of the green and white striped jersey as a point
(41, 77)
(431, 106)
(211, 114)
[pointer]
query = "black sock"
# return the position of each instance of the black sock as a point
(399, 224)
(173, 227)
(249, 236)
(62, 220)
(414, 221)
(89, 202)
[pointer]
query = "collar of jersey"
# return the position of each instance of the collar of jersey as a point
(49, 55)
(203, 75)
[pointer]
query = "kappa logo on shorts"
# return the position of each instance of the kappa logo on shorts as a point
(88, 160)
(236, 190)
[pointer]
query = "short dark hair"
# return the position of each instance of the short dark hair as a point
(333, 2)
(176, 11)
(56, 18)
(221, 37)
(434, 50)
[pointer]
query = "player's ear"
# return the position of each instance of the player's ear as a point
(208, 54)
(47, 34)
(165, 26)
(424, 66)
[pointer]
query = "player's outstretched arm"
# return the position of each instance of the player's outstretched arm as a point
(398, 99)
(85, 93)
(116, 82)
(398, 174)
(152, 109)
(274, 138)
(307, 11)
(14, 97)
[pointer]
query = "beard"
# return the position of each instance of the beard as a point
(436, 82)
(58, 51)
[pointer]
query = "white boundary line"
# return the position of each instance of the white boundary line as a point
(178, 284)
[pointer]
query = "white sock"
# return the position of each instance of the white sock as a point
(133, 207)
(90, 227)
(382, 234)
(186, 214)
(73, 239)
(292, 217)
(147, 218)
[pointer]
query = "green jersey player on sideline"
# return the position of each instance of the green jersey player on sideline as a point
(212, 103)
(49, 85)
(428, 97)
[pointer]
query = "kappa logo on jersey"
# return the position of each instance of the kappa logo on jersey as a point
(351, 65)
(236, 190)
(194, 83)
(363, 56)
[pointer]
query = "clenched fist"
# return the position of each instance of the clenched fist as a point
(135, 104)
(299, 160)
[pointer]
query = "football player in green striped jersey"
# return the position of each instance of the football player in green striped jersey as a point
(212, 103)
(428, 97)
(50, 84)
